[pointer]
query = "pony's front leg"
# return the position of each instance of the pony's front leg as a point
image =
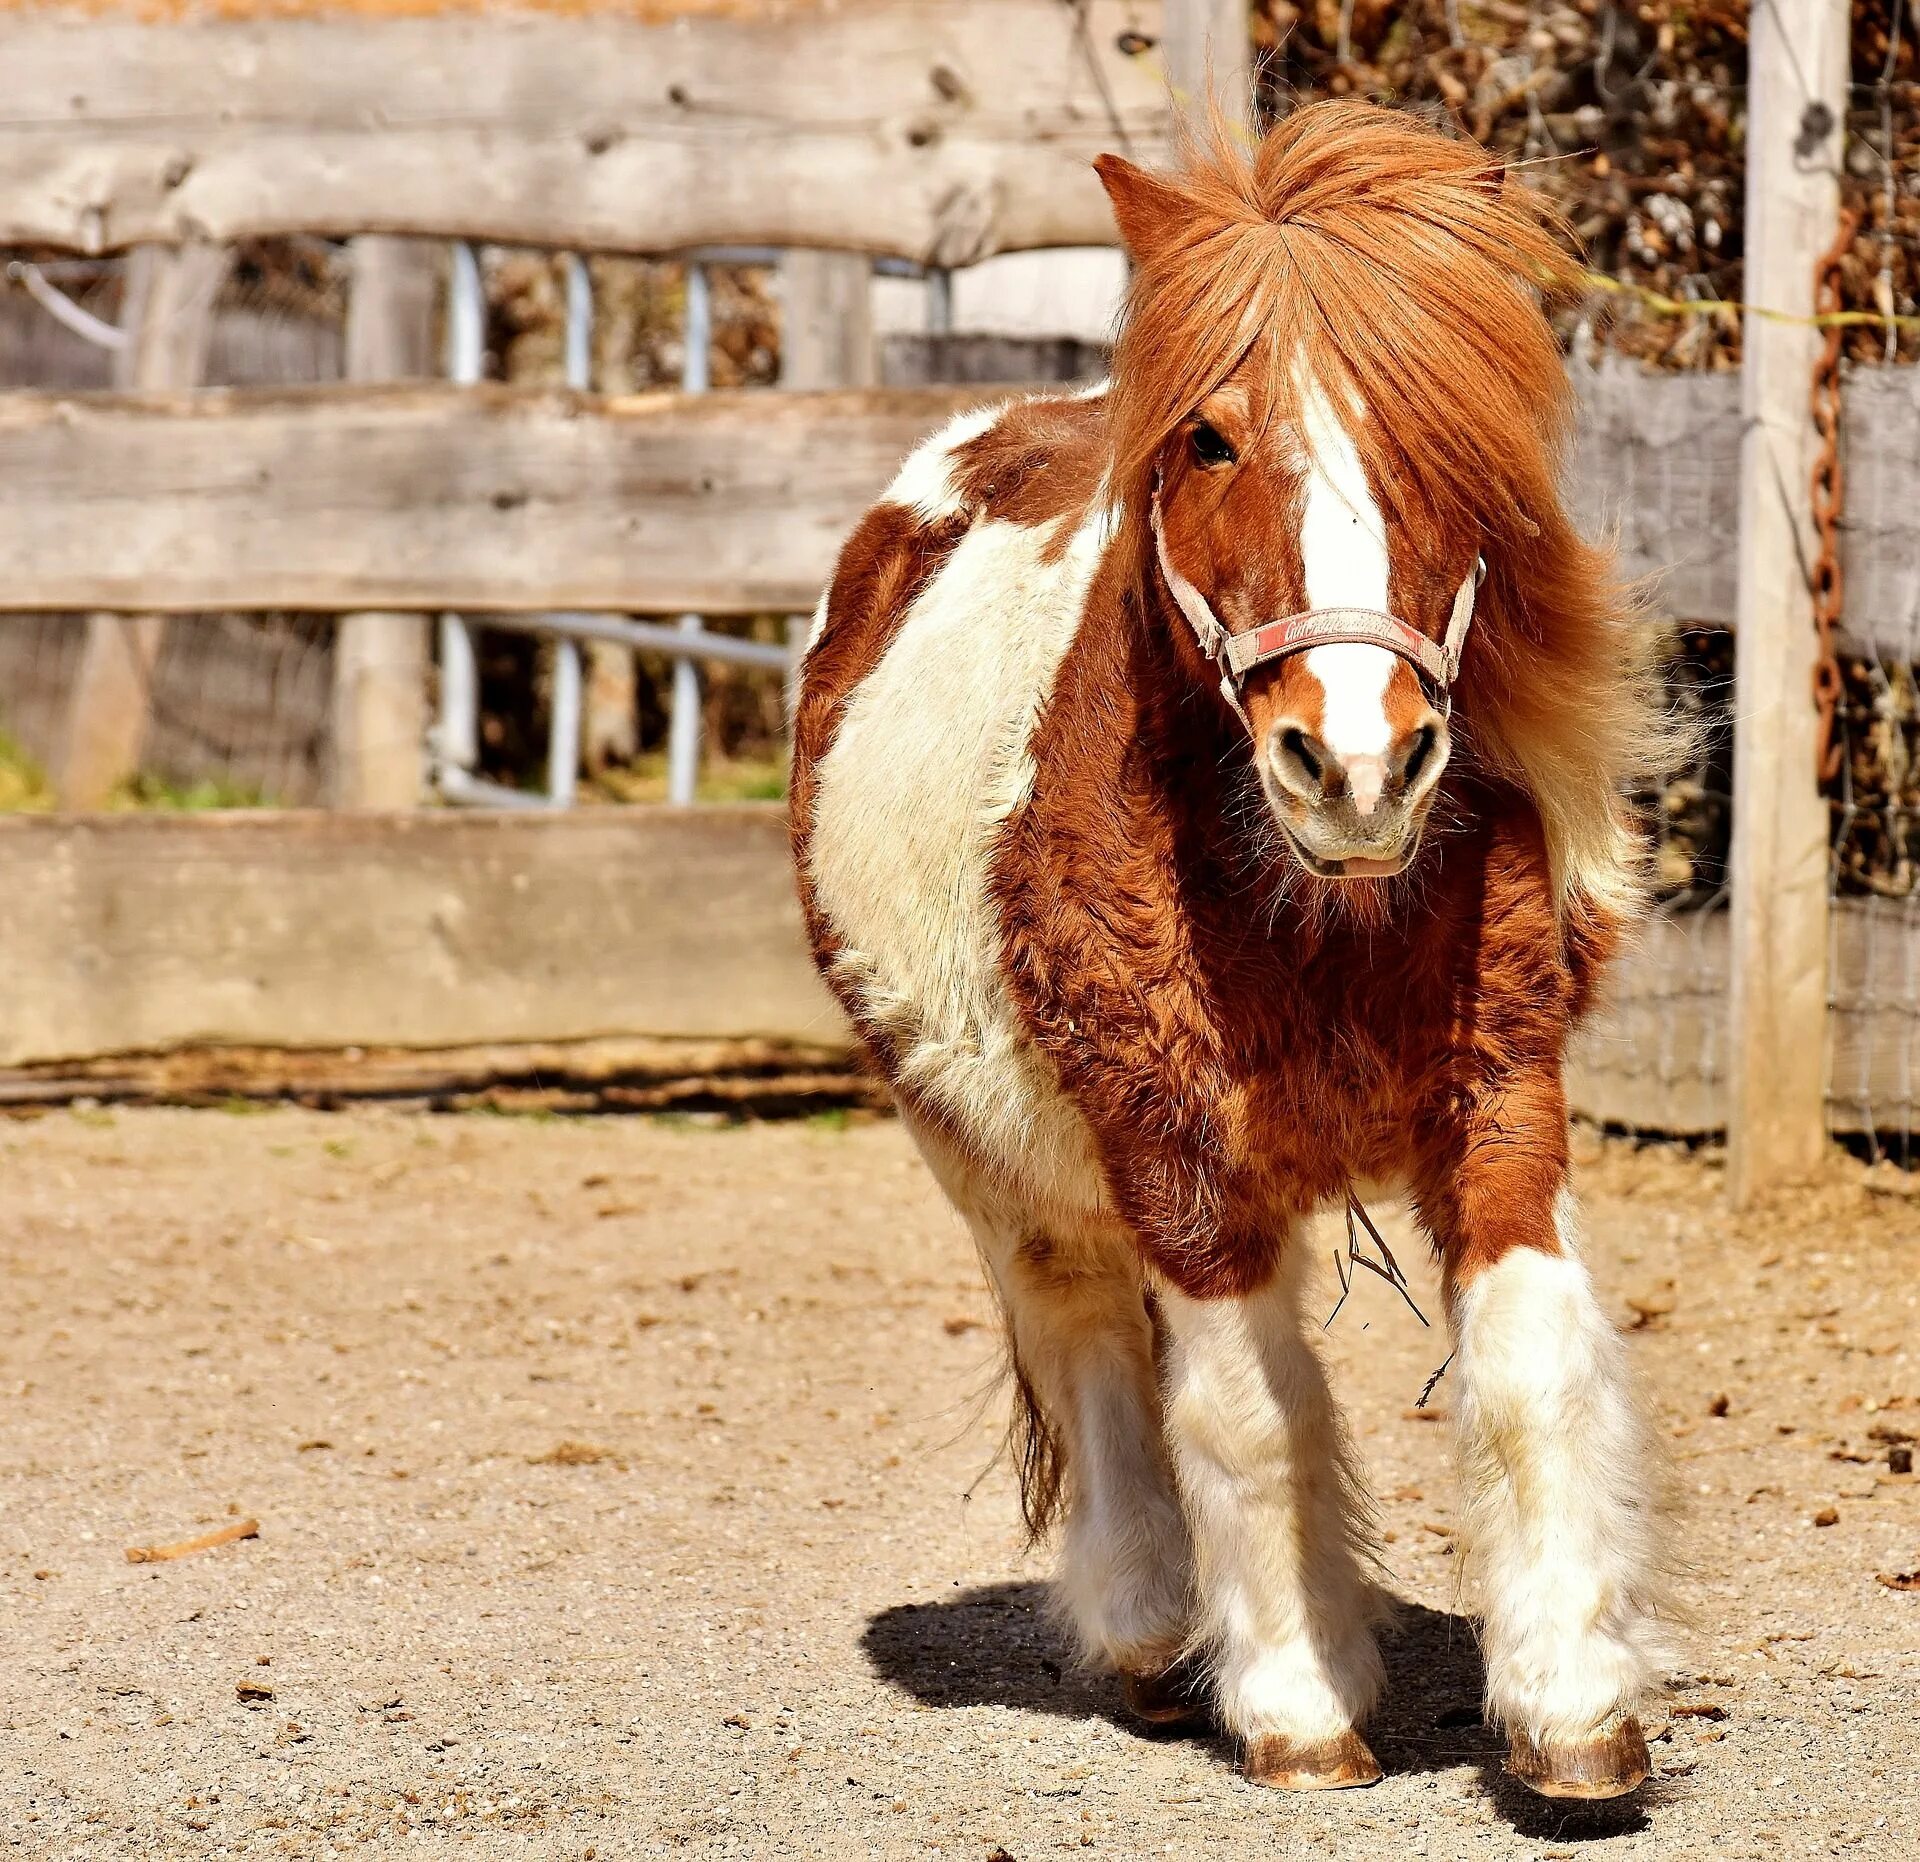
(1562, 1516)
(1286, 1601)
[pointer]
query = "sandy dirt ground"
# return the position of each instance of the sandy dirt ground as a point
(620, 1494)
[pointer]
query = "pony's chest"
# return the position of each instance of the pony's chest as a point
(1186, 1009)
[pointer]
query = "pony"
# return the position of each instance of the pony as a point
(1206, 805)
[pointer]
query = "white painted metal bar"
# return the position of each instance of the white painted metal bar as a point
(462, 785)
(563, 720)
(62, 309)
(686, 641)
(456, 745)
(683, 722)
(563, 725)
(798, 627)
(579, 323)
(651, 636)
(456, 741)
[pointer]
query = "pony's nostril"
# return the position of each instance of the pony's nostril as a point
(1424, 740)
(1296, 744)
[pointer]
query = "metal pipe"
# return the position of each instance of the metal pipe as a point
(683, 722)
(799, 626)
(650, 636)
(62, 309)
(466, 318)
(460, 785)
(696, 374)
(563, 715)
(563, 725)
(579, 323)
(456, 740)
(683, 725)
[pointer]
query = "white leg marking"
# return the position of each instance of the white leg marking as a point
(1084, 1343)
(1286, 1605)
(1562, 1517)
(1124, 1580)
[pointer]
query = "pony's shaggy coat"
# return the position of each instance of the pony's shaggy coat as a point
(1140, 1045)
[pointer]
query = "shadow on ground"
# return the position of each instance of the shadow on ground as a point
(997, 1645)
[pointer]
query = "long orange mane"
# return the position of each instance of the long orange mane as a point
(1410, 268)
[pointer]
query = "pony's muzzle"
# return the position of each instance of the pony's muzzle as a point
(1360, 805)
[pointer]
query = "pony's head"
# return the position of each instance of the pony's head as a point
(1336, 414)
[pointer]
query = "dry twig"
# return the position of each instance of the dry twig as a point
(185, 1548)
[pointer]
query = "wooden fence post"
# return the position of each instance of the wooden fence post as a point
(1209, 44)
(167, 314)
(1796, 113)
(826, 321)
(380, 661)
(826, 341)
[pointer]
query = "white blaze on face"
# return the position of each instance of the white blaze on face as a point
(1343, 551)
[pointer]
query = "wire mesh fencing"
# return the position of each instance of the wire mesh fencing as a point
(1633, 122)
(1873, 794)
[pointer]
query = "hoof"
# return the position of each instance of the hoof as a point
(1609, 1765)
(1342, 1763)
(1173, 1696)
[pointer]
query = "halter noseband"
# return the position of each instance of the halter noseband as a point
(1237, 655)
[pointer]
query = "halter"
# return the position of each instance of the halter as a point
(1237, 655)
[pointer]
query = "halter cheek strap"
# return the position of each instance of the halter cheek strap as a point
(1237, 655)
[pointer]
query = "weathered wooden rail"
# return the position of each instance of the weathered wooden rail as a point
(340, 498)
(329, 930)
(944, 130)
(1657, 461)
(198, 953)
(489, 498)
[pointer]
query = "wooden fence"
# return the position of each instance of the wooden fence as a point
(941, 131)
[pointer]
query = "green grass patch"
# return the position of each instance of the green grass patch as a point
(24, 788)
(162, 795)
(722, 779)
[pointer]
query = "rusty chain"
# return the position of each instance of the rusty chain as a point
(1829, 486)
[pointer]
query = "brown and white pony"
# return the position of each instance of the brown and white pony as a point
(1205, 801)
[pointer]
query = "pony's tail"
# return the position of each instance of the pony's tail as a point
(1037, 1453)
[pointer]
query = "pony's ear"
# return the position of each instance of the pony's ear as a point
(1151, 213)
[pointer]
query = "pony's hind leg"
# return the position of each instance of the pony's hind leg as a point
(1088, 1436)
(1084, 1347)
(1286, 1599)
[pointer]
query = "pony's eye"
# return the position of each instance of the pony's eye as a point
(1209, 446)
